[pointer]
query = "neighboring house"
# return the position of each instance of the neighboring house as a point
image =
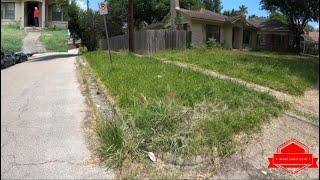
(310, 42)
(21, 11)
(272, 35)
(312, 36)
(231, 31)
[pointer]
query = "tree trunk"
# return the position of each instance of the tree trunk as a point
(296, 39)
(131, 25)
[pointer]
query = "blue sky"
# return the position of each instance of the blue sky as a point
(253, 7)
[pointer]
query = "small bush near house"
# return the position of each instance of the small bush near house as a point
(212, 43)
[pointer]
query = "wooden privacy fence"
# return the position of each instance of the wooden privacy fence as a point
(150, 40)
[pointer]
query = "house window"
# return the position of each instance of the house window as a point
(213, 32)
(7, 10)
(56, 13)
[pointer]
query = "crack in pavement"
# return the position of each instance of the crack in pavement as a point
(47, 162)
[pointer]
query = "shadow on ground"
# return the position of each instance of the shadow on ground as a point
(51, 57)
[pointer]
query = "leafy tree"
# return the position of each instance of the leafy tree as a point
(91, 28)
(231, 13)
(277, 16)
(74, 21)
(212, 5)
(145, 12)
(309, 28)
(243, 10)
(299, 13)
(253, 16)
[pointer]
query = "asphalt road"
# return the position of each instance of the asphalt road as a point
(42, 118)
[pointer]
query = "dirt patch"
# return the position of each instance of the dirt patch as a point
(309, 102)
(251, 160)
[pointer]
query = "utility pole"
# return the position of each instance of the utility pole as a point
(131, 25)
(87, 5)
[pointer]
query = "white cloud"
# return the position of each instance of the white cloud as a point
(82, 4)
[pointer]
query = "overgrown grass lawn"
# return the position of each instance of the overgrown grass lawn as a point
(55, 40)
(165, 108)
(287, 73)
(11, 38)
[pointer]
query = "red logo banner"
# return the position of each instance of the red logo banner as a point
(292, 156)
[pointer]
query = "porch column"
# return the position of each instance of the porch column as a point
(22, 15)
(43, 14)
(241, 38)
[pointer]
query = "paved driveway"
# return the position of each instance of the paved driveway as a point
(42, 114)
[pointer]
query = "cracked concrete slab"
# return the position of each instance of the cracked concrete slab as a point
(42, 121)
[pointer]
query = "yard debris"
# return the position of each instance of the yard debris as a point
(159, 76)
(152, 156)
(264, 172)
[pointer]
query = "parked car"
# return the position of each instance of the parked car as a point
(7, 60)
(20, 57)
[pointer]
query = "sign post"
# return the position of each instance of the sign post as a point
(104, 11)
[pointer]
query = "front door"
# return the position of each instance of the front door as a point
(29, 10)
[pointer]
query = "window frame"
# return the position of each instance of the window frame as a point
(213, 31)
(53, 16)
(4, 10)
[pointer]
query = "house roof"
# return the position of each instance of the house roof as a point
(268, 25)
(314, 36)
(203, 14)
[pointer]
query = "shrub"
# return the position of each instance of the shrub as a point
(212, 43)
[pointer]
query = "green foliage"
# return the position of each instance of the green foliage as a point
(55, 40)
(311, 48)
(91, 29)
(161, 113)
(213, 5)
(253, 16)
(287, 73)
(212, 43)
(243, 10)
(74, 20)
(111, 137)
(276, 16)
(11, 38)
(309, 28)
(82, 49)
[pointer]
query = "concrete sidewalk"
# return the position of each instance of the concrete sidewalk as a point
(42, 121)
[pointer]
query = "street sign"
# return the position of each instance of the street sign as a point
(103, 8)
